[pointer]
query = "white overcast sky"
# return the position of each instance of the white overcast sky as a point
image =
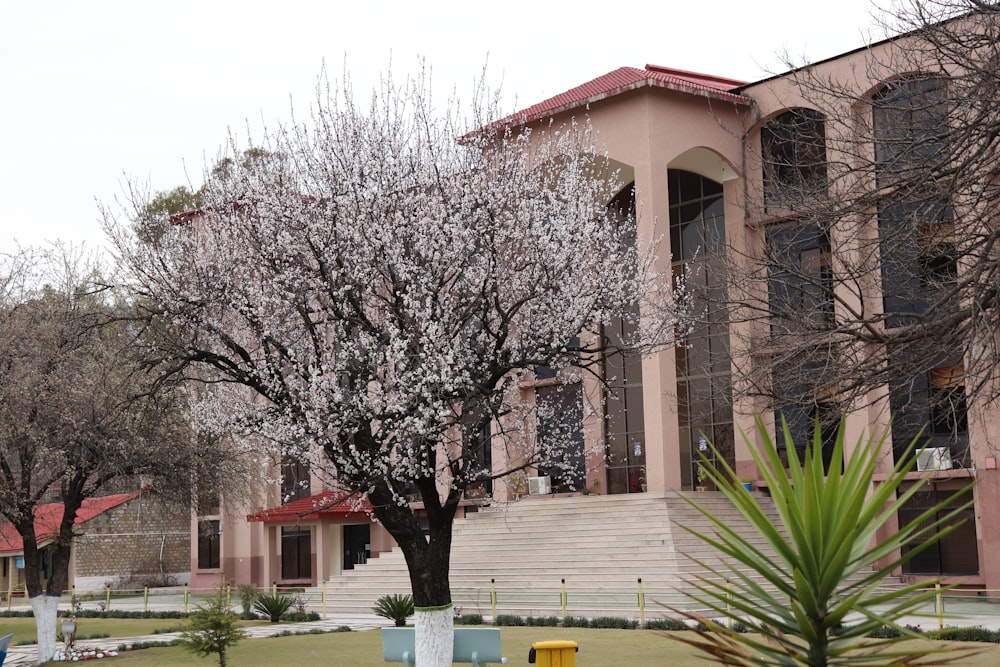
(95, 93)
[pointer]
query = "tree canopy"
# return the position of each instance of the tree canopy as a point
(382, 282)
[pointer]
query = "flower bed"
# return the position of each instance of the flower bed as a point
(78, 654)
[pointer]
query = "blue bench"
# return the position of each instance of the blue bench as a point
(4, 643)
(477, 646)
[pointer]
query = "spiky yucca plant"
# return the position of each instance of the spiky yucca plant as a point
(397, 608)
(273, 606)
(827, 568)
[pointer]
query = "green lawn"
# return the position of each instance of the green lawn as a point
(598, 648)
(24, 628)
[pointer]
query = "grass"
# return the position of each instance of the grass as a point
(24, 628)
(598, 648)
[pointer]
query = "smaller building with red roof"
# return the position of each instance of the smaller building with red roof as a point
(125, 539)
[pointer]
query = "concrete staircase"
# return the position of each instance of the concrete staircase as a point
(600, 546)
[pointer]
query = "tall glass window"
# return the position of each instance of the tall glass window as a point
(704, 380)
(625, 431)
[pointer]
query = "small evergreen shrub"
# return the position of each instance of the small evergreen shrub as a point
(542, 621)
(575, 622)
(668, 624)
(248, 595)
(273, 606)
(396, 608)
(614, 623)
(976, 634)
(212, 628)
(509, 620)
(300, 617)
(469, 619)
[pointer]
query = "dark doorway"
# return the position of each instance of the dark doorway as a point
(357, 545)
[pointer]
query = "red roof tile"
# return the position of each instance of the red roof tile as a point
(49, 515)
(329, 504)
(625, 79)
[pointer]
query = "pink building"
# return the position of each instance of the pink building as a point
(718, 169)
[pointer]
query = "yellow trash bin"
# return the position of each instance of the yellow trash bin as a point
(560, 653)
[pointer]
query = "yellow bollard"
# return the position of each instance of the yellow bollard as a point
(274, 588)
(939, 603)
(729, 603)
(107, 598)
(493, 598)
(324, 598)
(229, 595)
(185, 598)
(145, 598)
(562, 599)
(642, 605)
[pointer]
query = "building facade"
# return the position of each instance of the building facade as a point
(738, 184)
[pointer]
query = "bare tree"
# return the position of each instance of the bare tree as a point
(80, 414)
(872, 272)
(383, 281)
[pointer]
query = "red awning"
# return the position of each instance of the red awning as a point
(329, 504)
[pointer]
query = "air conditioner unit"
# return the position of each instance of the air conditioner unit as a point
(934, 458)
(539, 486)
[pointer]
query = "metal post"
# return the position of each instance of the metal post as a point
(185, 598)
(229, 596)
(324, 598)
(107, 598)
(562, 599)
(642, 604)
(274, 588)
(145, 598)
(939, 603)
(729, 603)
(493, 598)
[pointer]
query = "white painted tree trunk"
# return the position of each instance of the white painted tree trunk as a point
(434, 636)
(46, 608)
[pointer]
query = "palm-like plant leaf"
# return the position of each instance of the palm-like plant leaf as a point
(825, 564)
(273, 606)
(396, 608)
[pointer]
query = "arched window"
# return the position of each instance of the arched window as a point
(793, 151)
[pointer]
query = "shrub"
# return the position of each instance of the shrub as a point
(575, 622)
(469, 619)
(212, 628)
(613, 623)
(543, 621)
(248, 595)
(509, 620)
(300, 617)
(273, 606)
(665, 624)
(976, 634)
(397, 608)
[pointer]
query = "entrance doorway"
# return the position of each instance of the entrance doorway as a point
(357, 545)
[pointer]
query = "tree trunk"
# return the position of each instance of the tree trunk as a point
(428, 560)
(45, 608)
(434, 635)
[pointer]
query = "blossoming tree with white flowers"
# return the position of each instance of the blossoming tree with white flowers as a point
(379, 282)
(82, 414)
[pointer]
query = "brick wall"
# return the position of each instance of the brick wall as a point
(133, 544)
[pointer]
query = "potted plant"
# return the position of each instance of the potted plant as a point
(702, 478)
